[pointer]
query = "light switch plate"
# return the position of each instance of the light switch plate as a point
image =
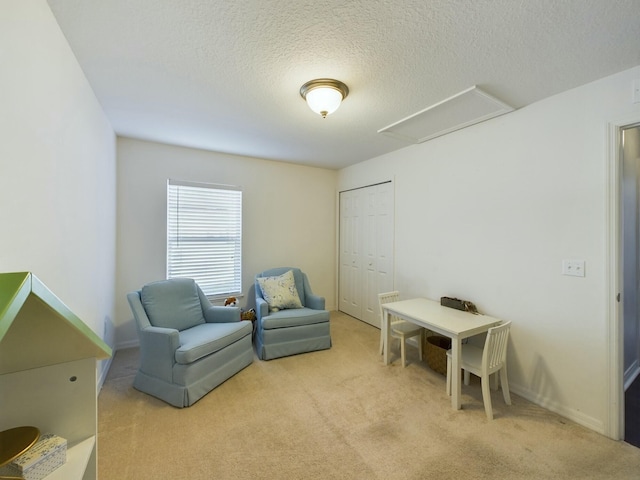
(574, 268)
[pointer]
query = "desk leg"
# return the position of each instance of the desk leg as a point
(456, 387)
(387, 339)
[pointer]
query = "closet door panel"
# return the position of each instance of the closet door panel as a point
(366, 250)
(384, 237)
(350, 239)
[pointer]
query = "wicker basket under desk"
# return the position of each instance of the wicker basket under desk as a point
(435, 352)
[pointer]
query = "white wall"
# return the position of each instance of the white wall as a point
(57, 167)
(488, 214)
(288, 217)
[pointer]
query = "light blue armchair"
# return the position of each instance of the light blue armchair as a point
(296, 328)
(187, 346)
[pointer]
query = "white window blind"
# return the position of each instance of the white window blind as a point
(204, 236)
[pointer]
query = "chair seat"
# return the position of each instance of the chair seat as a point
(405, 328)
(471, 356)
(205, 339)
(294, 317)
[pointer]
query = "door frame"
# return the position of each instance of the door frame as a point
(339, 192)
(614, 421)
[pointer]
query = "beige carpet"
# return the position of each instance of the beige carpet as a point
(342, 414)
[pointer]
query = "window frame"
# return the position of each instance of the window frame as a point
(194, 218)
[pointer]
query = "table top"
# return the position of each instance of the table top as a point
(444, 320)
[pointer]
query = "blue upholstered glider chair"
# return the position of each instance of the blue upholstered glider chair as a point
(187, 346)
(290, 318)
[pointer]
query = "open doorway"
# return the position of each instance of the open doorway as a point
(621, 373)
(629, 148)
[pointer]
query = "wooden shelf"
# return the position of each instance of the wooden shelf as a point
(78, 457)
(48, 371)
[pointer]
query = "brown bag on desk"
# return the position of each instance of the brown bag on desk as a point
(458, 304)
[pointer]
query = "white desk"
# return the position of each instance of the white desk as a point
(455, 324)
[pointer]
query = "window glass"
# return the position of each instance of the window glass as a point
(204, 236)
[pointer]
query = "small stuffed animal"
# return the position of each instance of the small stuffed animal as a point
(248, 315)
(230, 302)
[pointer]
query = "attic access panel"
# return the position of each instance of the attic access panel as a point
(462, 110)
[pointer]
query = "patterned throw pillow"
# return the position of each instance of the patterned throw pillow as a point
(280, 292)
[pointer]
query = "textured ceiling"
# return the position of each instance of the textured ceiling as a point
(225, 75)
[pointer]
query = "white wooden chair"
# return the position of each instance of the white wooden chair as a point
(399, 328)
(484, 362)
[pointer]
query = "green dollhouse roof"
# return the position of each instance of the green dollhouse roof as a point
(38, 329)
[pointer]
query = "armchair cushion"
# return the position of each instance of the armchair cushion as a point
(280, 292)
(202, 340)
(173, 303)
(294, 318)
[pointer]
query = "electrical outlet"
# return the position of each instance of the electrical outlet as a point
(574, 268)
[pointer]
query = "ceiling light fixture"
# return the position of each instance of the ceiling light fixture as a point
(324, 95)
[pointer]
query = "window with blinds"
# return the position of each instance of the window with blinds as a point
(204, 236)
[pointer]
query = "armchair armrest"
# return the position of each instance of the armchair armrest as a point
(157, 351)
(262, 308)
(312, 301)
(218, 314)
(315, 302)
(140, 316)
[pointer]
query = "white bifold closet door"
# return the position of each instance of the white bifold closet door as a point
(366, 250)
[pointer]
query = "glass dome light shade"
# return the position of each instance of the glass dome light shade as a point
(324, 95)
(324, 100)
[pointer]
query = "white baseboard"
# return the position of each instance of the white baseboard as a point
(574, 415)
(107, 363)
(103, 373)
